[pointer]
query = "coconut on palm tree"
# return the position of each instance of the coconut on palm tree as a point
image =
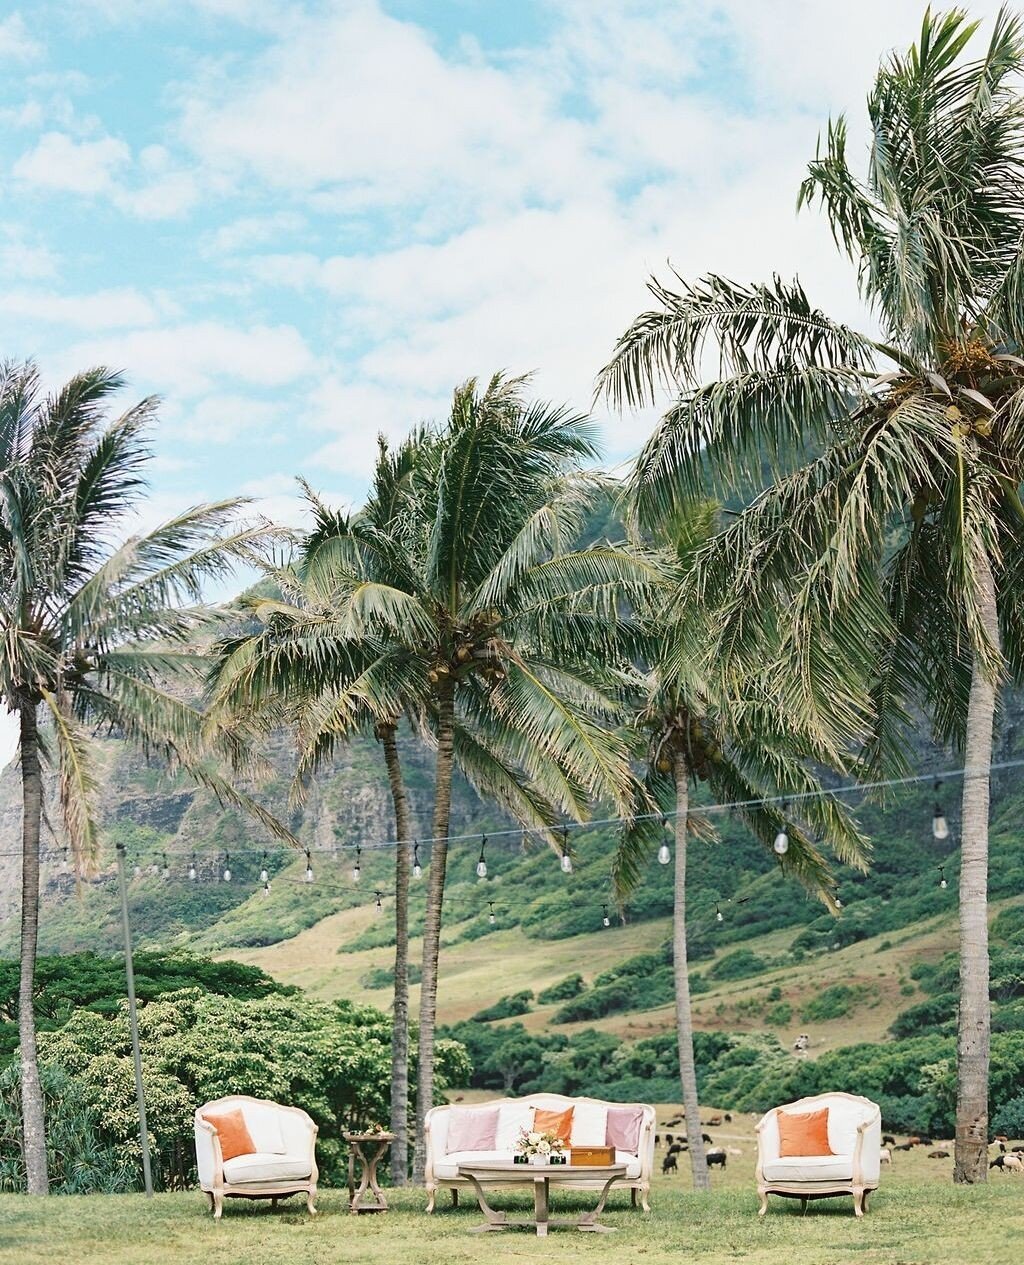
(891, 545)
(737, 744)
(91, 629)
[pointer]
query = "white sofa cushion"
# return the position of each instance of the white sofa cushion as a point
(589, 1124)
(263, 1120)
(262, 1166)
(512, 1117)
(809, 1168)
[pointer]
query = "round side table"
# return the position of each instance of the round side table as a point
(376, 1144)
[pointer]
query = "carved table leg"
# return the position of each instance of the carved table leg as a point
(495, 1220)
(540, 1205)
(589, 1219)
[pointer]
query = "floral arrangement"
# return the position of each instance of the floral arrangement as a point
(533, 1144)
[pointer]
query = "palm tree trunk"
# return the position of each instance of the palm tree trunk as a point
(400, 1014)
(33, 1124)
(974, 1024)
(684, 1017)
(432, 919)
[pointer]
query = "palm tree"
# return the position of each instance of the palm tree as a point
(895, 550)
(691, 733)
(508, 624)
(89, 629)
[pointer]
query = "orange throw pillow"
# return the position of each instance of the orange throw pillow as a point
(232, 1132)
(557, 1122)
(803, 1133)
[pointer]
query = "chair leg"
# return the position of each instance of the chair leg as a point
(218, 1205)
(645, 1198)
(455, 1197)
(764, 1203)
(310, 1196)
(632, 1196)
(803, 1206)
(431, 1196)
(858, 1201)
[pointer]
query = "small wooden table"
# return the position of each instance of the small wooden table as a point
(540, 1177)
(368, 1162)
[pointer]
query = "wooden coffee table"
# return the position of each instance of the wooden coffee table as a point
(541, 1177)
(368, 1197)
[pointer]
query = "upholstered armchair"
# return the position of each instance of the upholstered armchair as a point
(854, 1137)
(282, 1160)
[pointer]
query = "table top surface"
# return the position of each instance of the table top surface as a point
(546, 1170)
(368, 1137)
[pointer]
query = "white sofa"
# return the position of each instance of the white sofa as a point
(284, 1162)
(855, 1137)
(442, 1166)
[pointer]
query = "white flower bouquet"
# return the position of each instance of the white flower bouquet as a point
(535, 1147)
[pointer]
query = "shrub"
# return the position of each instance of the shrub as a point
(737, 964)
(780, 1015)
(506, 1007)
(571, 986)
(1009, 1118)
(937, 1014)
(834, 1002)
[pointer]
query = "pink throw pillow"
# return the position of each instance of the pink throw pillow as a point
(623, 1128)
(472, 1128)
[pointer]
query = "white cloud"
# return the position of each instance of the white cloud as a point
(17, 43)
(22, 258)
(226, 418)
(188, 360)
(59, 162)
(253, 230)
(103, 309)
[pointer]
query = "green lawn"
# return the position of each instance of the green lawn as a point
(912, 1222)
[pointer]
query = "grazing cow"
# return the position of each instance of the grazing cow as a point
(888, 1140)
(657, 1139)
(669, 1165)
(704, 1137)
(1008, 1163)
(885, 1155)
(677, 1148)
(714, 1122)
(727, 1118)
(904, 1146)
(915, 1141)
(716, 1156)
(1000, 1137)
(926, 1142)
(938, 1155)
(1017, 1150)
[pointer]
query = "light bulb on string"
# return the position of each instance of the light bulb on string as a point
(309, 867)
(64, 860)
(839, 903)
(266, 887)
(940, 826)
(719, 916)
(378, 907)
(491, 917)
(664, 852)
(942, 877)
(264, 872)
(227, 867)
(566, 862)
(781, 844)
(605, 920)
(481, 865)
(192, 868)
(417, 869)
(357, 870)
(166, 871)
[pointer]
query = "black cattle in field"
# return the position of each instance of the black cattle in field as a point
(668, 1164)
(704, 1137)
(888, 1140)
(717, 1156)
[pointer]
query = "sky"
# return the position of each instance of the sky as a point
(301, 224)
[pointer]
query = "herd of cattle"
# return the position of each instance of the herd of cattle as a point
(1009, 1161)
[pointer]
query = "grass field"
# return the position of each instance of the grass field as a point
(911, 1222)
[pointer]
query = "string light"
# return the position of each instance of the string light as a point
(942, 877)
(227, 867)
(166, 871)
(264, 872)
(605, 920)
(838, 902)
(192, 868)
(940, 827)
(491, 915)
(566, 861)
(417, 869)
(781, 844)
(664, 852)
(309, 867)
(266, 886)
(64, 859)
(481, 865)
(719, 916)
(379, 907)
(356, 867)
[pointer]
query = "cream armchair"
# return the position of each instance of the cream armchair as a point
(855, 1137)
(284, 1162)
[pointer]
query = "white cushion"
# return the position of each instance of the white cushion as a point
(589, 1124)
(262, 1166)
(512, 1116)
(448, 1168)
(263, 1120)
(809, 1168)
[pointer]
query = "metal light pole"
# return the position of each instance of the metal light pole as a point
(129, 970)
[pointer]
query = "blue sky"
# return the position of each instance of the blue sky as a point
(302, 223)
